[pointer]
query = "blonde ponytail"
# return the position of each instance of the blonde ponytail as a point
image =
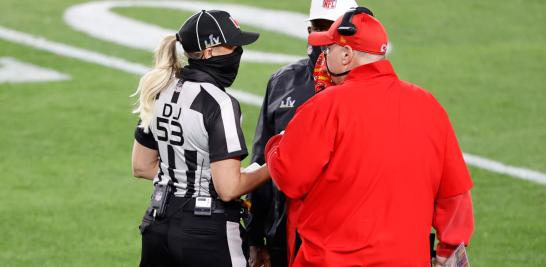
(167, 64)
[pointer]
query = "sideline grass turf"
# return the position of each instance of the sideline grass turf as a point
(67, 195)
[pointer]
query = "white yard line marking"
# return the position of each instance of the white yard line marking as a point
(98, 20)
(499, 167)
(71, 51)
(97, 58)
(248, 98)
(16, 71)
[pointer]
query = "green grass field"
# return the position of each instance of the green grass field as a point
(68, 198)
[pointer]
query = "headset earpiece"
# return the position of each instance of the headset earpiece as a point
(347, 28)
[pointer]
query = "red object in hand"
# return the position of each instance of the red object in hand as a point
(320, 74)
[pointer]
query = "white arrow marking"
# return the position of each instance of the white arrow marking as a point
(15, 71)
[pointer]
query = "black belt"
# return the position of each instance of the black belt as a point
(218, 206)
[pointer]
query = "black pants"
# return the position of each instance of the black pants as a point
(279, 256)
(183, 239)
(276, 246)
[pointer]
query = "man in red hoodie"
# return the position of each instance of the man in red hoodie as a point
(374, 160)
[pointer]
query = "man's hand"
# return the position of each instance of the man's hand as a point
(259, 257)
(439, 261)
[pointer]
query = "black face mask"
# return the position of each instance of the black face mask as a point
(313, 52)
(222, 68)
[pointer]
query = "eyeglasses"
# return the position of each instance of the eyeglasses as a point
(328, 48)
(325, 49)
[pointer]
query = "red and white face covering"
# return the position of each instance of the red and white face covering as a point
(321, 76)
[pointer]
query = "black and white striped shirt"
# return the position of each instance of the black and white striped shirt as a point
(196, 123)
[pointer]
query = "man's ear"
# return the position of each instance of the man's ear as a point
(347, 55)
(309, 29)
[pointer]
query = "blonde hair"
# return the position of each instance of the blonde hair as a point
(167, 64)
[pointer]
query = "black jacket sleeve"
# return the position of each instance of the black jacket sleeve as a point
(264, 130)
(287, 89)
(261, 198)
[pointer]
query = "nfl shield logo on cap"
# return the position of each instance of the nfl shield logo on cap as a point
(329, 9)
(329, 3)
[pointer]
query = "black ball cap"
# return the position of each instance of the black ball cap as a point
(210, 28)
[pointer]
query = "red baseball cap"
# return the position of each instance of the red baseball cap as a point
(370, 36)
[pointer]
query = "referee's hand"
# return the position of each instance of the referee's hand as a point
(439, 261)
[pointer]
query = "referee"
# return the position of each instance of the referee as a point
(190, 142)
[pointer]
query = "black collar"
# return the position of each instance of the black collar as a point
(194, 75)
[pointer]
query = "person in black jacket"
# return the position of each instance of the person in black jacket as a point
(287, 89)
